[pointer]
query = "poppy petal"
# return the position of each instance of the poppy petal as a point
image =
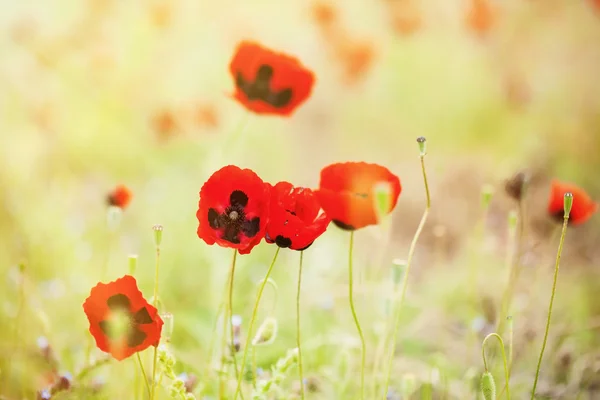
(294, 220)
(583, 207)
(269, 82)
(233, 209)
(122, 295)
(346, 193)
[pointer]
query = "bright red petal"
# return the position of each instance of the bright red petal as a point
(215, 198)
(346, 192)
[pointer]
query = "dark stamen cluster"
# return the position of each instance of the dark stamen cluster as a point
(233, 221)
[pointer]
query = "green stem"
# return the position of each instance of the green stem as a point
(514, 269)
(156, 268)
(556, 267)
(506, 376)
(411, 253)
(144, 374)
(254, 312)
(298, 341)
(360, 332)
(230, 316)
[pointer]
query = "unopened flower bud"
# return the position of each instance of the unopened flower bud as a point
(488, 386)
(568, 203)
(158, 230)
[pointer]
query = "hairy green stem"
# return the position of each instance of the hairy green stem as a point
(506, 376)
(252, 320)
(156, 268)
(556, 268)
(360, 332)
(298, 341)
(144, 374)
(411, 253)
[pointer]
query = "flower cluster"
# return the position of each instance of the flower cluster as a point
(237, 209)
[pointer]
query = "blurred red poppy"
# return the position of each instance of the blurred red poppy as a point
(121, 320)
(346, 193)
(583, 206)
(233, 209)
(120, 197)
(294, 218)
(269, 82)
(481, 16)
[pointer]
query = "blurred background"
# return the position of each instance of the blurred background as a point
(96, 93)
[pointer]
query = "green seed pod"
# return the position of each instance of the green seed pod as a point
(488, 386)
(158, 230)
(568, 203)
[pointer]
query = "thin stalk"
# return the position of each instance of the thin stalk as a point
(298, 341)
(411, 253)
(556, 268)
(144, 374)
(17, 337)
(360, 332)
(230, 316)
(515, 269)
(506, 376)
(155, 301)
(252, 320)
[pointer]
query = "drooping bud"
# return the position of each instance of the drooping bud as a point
(488, 386)
(266, 333)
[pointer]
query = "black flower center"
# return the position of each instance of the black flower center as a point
(233, 221)
(260, 88)
(120, 304)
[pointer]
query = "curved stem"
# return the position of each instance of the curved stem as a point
(298, 341)
(556, 267)
(360, 332)
(411, 253)
(506, 377)
(153, 394)
(254, 312)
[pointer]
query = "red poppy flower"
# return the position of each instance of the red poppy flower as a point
(120, 197)
(269, 82)
(233, 209)
(294, 219)
(583, 206)
(121, 320)
(346, 193)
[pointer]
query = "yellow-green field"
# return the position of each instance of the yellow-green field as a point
(95, 93)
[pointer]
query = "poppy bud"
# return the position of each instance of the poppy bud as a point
(169, 321)
(133, 259)
(488, 386)
(568, 203)
(266, 333)
(422, 145)
(158, 229)
(515, 186)
(383, 199)
(486, 195)
(398, 268)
